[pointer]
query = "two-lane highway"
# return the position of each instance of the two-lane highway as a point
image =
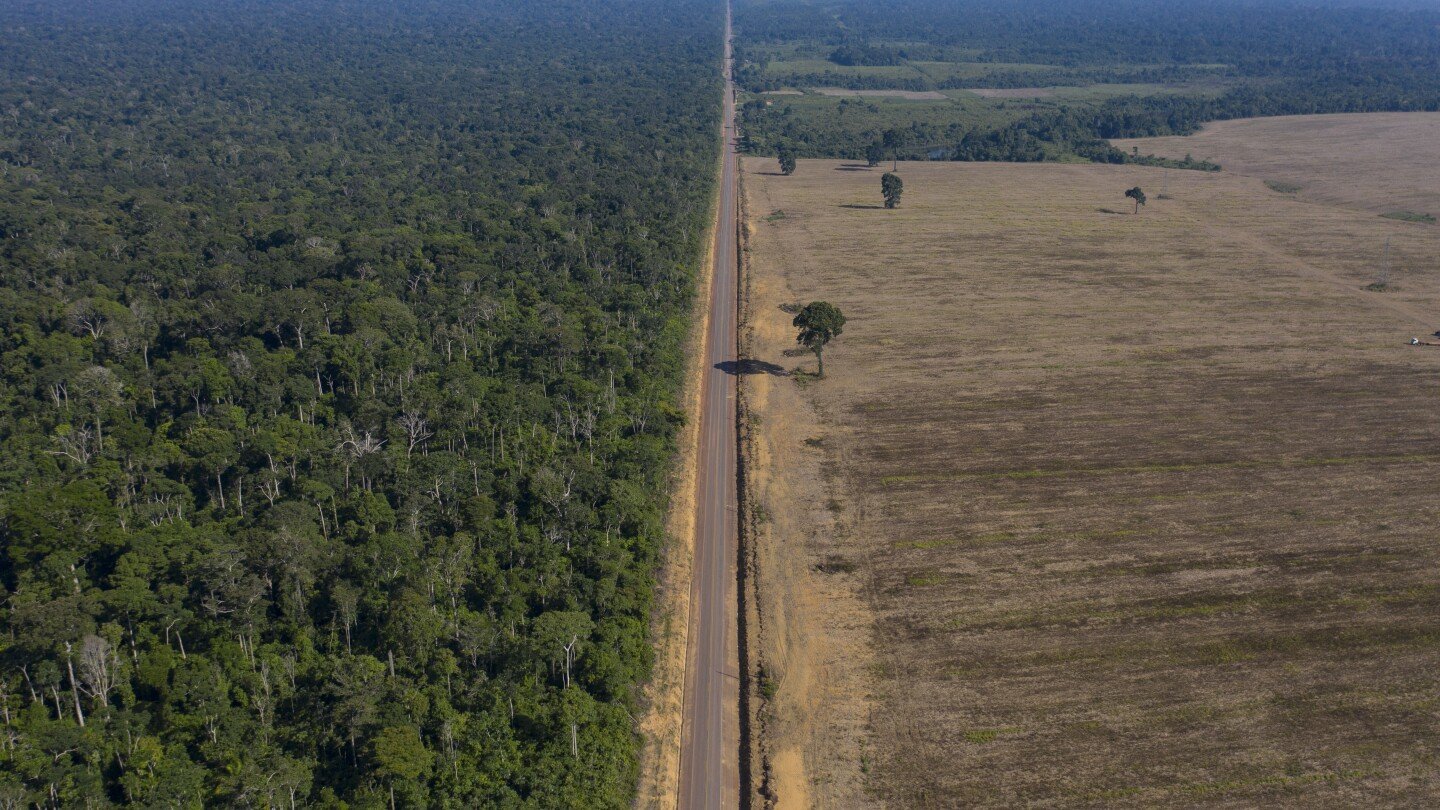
(710, 740)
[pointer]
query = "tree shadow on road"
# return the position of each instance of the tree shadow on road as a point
(751, 366)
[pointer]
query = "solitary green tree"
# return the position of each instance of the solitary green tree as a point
(819, 323)
(893, 140)
(892, 187)
(787, 161)
(1138, 196)
(874, 153)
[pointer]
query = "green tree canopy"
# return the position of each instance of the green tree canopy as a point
(1138, 196)
(874, 153)
(400, 757)
(787, 160)
(340, 358)
(819, 323)
(891, 187)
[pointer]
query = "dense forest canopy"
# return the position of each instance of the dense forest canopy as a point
(339, 344)
(1255, 37)
(1270, 58)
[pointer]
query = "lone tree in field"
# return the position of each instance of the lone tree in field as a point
(892, 187)
(819, 323)
(894, 139)
(1138, 196)
(874, 153)
(787, 161)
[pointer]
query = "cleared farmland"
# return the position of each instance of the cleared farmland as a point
(1093, 508)
(1379, 162)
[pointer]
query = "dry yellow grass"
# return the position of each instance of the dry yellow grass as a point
(811, 637)
(1142, 508)
(1379, 162)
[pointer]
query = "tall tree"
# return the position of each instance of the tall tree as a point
(891, 187)
(787, 160)
(874, 153)
(819, 323)
(1138, 196)
(893, 139)
(399, 758)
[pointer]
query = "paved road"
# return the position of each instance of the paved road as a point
(710, 740)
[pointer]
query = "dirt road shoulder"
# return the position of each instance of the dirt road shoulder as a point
(810, 633)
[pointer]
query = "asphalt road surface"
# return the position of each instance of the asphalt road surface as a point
(710, 740)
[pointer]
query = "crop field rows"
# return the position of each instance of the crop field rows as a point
(1142, 506)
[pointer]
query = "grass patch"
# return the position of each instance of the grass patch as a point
(1410, 216)
(980, 736)
(939, 542)
(1283, 187)
(971, 541)
(1269, 604)
(769, 686)
(1278, 780)
(1253, 464)
(835, 564)
(812, 67)
(762, 515)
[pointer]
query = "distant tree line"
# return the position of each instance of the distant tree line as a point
(754, 78)
(1036, 137)
(1242, 36)
(866, 54)
(1276, 60)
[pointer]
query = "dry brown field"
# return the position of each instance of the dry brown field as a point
(1378, 162)
(1093, 508)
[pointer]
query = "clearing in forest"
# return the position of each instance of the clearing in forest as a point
(1093, 508)
(1386, 163)
(913, 95)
